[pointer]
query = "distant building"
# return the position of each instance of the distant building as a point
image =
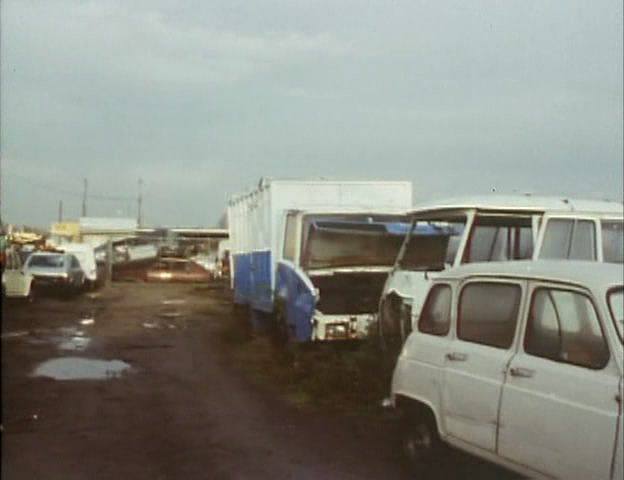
(98, 230)
(64, 232)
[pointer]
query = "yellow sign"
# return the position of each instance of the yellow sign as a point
(65, 228)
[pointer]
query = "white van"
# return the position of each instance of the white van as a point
(86, 257)
(519, 363)
(491, 228)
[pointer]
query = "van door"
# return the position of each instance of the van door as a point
(477, 357)
(11, 274)
(559, 410)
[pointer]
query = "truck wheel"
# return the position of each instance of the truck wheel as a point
(421, 447)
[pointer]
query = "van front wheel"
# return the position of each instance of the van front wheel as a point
(420, 444)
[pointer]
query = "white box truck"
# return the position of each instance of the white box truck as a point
(257, 224)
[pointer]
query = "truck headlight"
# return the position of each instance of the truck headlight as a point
(337, 330)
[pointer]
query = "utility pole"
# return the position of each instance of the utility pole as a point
(140, 204)
(60, 217)
(84, 198)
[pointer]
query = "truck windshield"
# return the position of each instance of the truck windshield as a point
(616, 306)
(352, 241)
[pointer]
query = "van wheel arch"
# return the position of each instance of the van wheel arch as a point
(419, 438)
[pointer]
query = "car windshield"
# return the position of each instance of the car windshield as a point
(352, 241)
(46, 261)
(616, 307)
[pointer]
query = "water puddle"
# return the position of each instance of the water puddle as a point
(64, 338)
(171, 313)
(173, 301)
(77, 368)
(20, 333)
(74, 343)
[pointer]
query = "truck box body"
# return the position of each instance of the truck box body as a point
(256, 222)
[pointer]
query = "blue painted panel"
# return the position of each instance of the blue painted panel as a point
(242, 278)
(261, 291)
(298, 299)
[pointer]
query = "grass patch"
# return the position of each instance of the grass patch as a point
(346, 378)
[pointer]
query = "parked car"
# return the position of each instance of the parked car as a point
(56, 271)
(177, 270)
(86, 257)
(16, 283)
(519, 363)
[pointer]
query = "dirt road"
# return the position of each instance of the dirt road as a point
(176, 409)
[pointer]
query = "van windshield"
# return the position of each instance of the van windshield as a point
(431, 245)
(500, 238)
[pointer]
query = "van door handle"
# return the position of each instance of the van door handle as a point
(522, 372)
(457, 357)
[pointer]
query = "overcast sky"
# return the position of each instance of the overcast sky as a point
(202, 98)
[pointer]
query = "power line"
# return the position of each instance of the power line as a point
(113, 198)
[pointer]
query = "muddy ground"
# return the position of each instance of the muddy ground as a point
(188, 403)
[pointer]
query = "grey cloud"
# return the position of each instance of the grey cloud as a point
(203, 98)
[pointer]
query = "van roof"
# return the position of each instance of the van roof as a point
(521, 203)
(592, 274)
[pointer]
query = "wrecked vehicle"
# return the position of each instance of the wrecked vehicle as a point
(177, 270)
(172, 269)
(494, 228)
(257, 229)
(333, 270)
(519, 363)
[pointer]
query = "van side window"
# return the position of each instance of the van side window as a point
(569, 238)
(488, 313)
(435, 318)
(563, 327)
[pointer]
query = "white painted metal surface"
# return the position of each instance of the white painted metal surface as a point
(539, 416)
(85, 254)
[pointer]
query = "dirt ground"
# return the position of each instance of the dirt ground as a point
(183, 409)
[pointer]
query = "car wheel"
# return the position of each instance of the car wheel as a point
(421, 447)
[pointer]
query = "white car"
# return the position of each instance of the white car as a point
(519, 363)
(16, 282)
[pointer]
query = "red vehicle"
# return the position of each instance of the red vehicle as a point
(176, 270)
